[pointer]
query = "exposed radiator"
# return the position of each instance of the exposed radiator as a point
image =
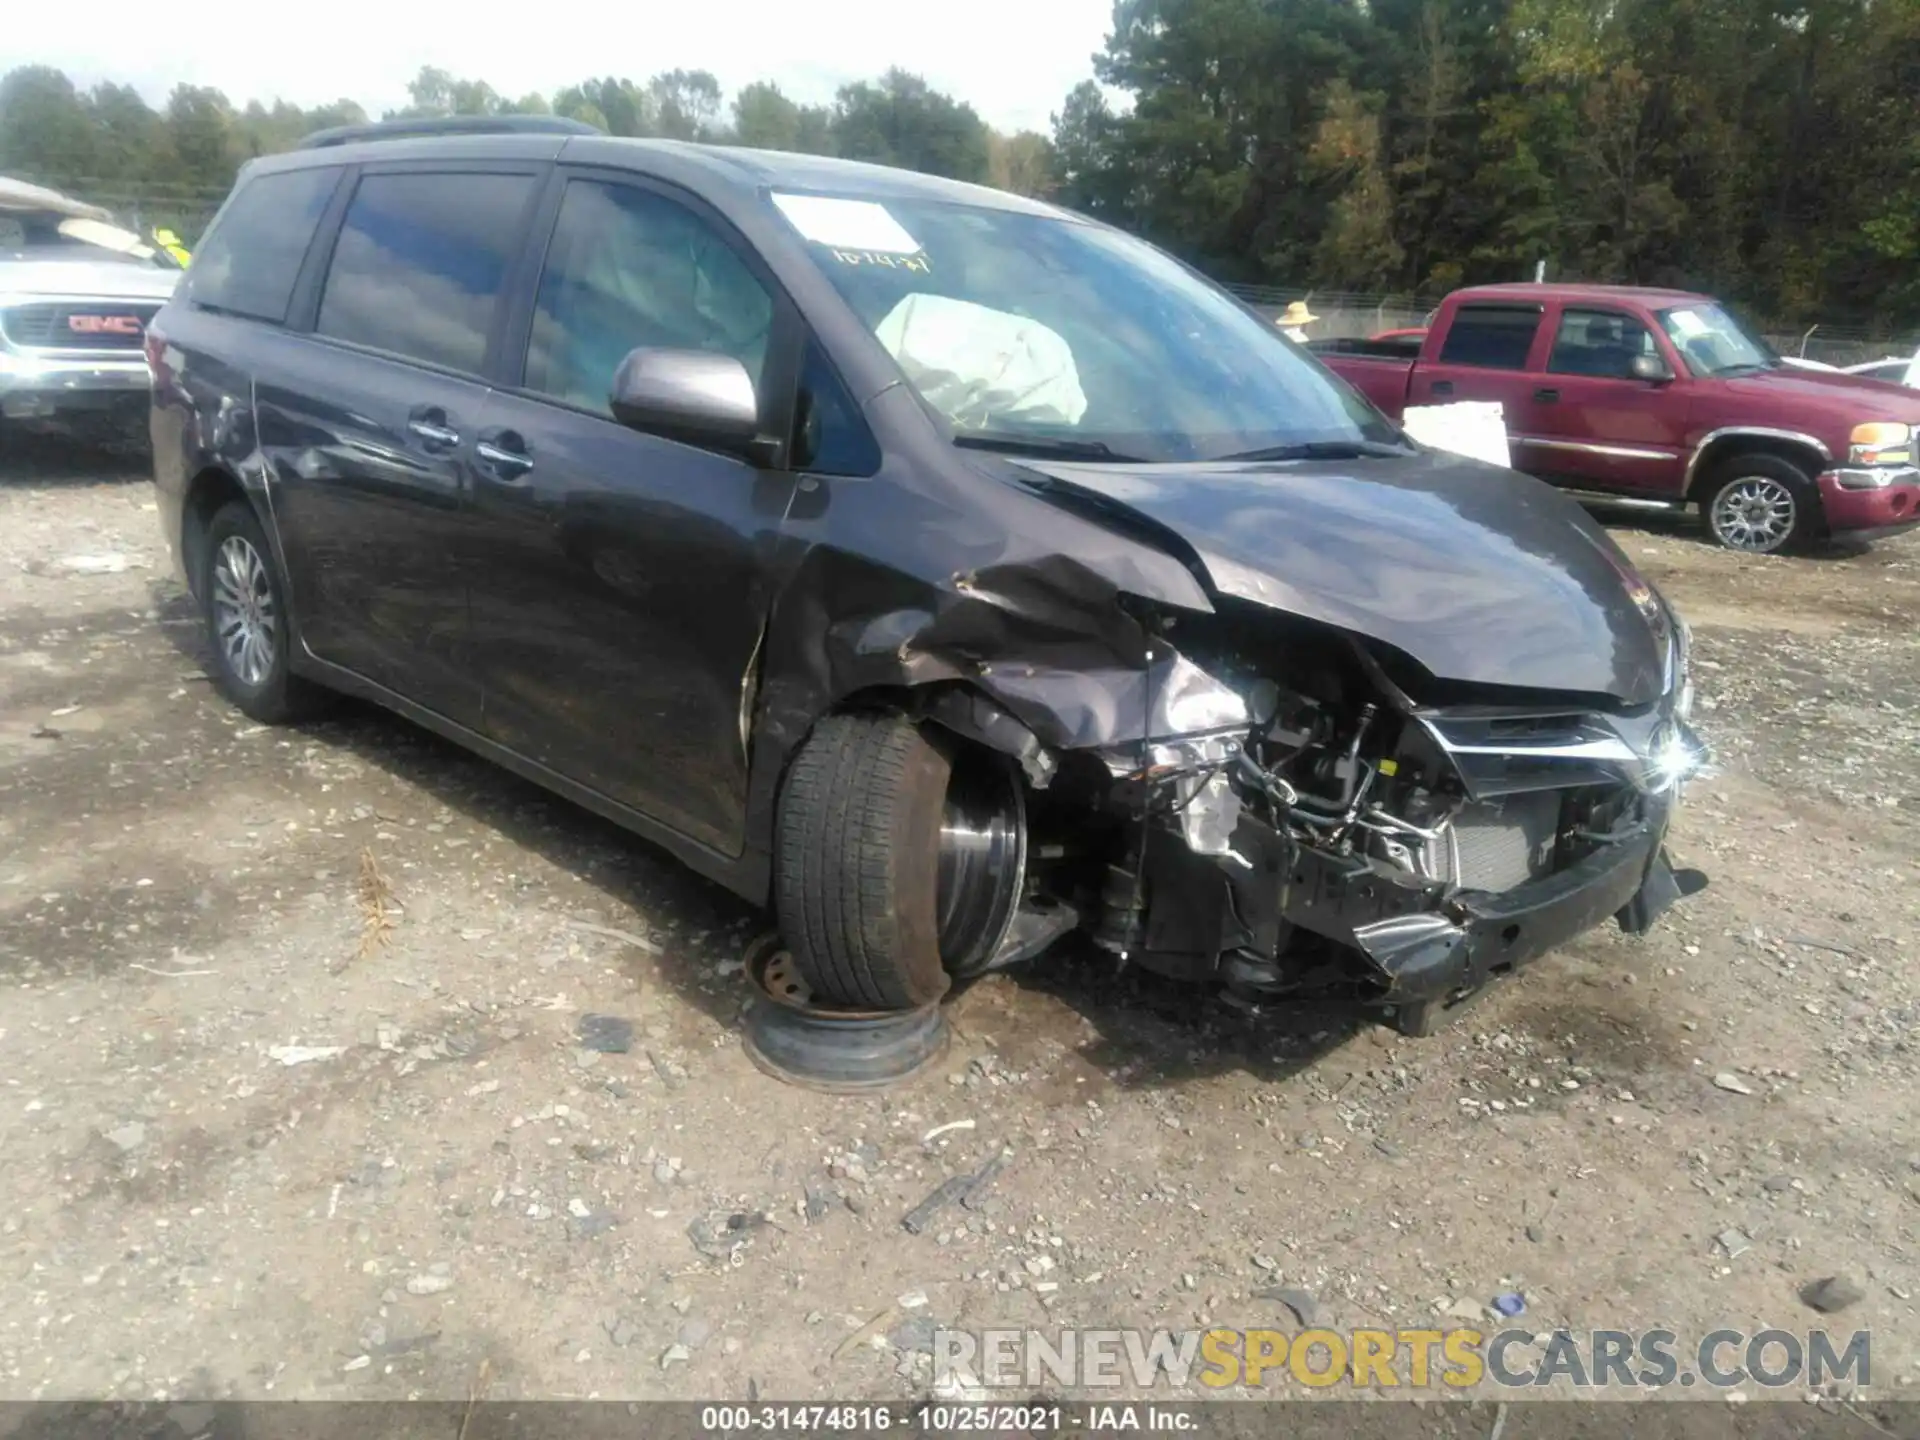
(1498, 844)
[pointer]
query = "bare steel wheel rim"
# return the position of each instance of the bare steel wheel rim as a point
(246, 625)
(1755, 513)
(982, 865)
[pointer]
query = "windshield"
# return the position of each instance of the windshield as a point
(1712, 342)
(44, 235)
(1030, 331)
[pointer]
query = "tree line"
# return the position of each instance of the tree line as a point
(176, 162)
(1766, 150)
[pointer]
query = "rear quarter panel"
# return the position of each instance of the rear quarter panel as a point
(202, 416)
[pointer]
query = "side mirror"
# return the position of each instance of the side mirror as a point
(1650, 368)
(689, 395)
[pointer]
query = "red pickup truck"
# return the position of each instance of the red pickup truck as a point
(1660, 397)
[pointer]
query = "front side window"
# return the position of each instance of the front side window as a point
(421, 262)
(250, 260)
(1602, 344)
(629, 268)
(1714, 343)
(830, 434)
(1491, 337)
(1054, 332)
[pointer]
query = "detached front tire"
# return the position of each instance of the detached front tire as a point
(899, 860)
(243, 601)
(1761, 504)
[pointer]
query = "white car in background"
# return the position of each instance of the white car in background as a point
(76, 293)
(1893, 369)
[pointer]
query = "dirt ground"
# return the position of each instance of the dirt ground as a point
(453, 1194)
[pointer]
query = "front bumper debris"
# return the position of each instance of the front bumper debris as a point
(1422, 947)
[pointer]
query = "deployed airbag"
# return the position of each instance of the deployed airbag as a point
(980, 366)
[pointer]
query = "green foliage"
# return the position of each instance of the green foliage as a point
(175, 165)
(901, 120)
(1768, 150)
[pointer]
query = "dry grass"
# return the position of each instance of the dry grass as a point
(376, 907)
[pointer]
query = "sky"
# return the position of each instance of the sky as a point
(1013, 60)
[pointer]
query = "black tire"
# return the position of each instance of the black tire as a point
(856, 882)
(1761, 504)
(265, 689)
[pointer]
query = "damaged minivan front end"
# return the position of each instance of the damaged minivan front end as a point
(1299, 804)
(1279, 823)
(1149, 627)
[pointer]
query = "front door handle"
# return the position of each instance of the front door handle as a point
(1547, 397)
(428, 424)
(503, 455)
(1443, 387)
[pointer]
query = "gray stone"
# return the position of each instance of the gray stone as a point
(128, 1137)
(605, 1034)
(1301, 1302)
(694, 1333)
(914, 1334)
(1832, 1294)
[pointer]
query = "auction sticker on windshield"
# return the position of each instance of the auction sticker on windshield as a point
(1688, 322)
(846, 224)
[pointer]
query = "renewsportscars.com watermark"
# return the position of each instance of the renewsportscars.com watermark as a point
(1222, 1359)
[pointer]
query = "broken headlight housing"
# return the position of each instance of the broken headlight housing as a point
(1196, 729)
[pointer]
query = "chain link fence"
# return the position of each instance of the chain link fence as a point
(1343, 315)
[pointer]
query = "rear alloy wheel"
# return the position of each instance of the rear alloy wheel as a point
(245, 608)
(900, 861)
(1762, 505)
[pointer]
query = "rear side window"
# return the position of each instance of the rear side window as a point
(420, 264)
(249, 261)
(1494, 337)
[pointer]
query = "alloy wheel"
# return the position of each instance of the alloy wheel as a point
(245, 622)
(1755, 513)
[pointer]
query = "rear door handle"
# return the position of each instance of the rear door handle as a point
(503, 455)
(428, 424)
(1443, 387)
(1547, 397)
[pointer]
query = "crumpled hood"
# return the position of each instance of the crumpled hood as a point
(1480, 574)
(24, 280)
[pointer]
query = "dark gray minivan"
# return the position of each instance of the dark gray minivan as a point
(947, 570)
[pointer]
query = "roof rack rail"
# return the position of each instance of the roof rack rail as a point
(446, 125)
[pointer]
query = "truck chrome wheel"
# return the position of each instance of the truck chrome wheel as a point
(1755, 513)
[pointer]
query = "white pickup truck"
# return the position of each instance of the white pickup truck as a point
(76, 293)
(1893, 370)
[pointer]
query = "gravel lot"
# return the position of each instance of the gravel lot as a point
(443, 1193)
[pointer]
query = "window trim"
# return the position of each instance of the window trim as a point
(787, 333)
(315, 238)
(1626, 317)
(1525, 307)
(314, 286)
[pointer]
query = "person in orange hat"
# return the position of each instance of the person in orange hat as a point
(1293, 323)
